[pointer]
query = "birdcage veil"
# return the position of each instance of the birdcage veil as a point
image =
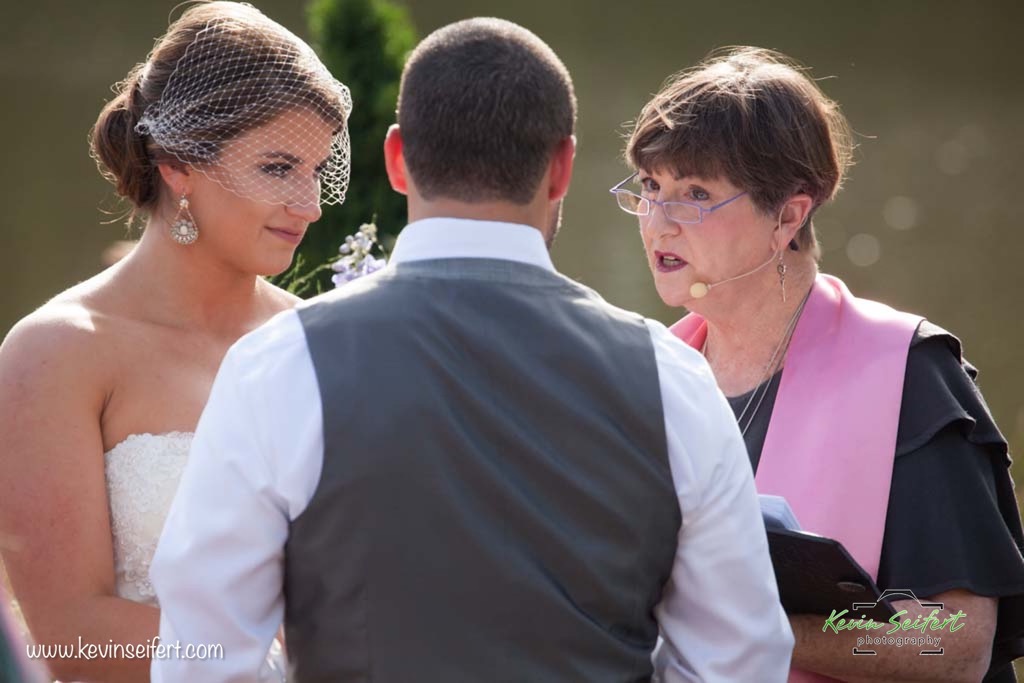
(250, 105)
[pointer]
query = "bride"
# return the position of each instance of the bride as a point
(226, 140)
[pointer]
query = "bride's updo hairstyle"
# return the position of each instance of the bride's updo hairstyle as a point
(221, 70)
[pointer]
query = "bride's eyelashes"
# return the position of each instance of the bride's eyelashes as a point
(282, 169)
(278, 170)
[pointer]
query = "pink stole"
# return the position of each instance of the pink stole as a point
(832, 437)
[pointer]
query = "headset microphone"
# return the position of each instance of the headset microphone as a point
(699, 290)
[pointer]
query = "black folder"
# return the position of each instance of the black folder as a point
(817, 575)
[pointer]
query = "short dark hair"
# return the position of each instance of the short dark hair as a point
(752, 116)
(482, 106)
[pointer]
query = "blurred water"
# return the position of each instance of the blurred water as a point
(927, 221)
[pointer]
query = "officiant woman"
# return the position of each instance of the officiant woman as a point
(866, 419)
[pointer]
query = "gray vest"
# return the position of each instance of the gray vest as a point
(496, 502)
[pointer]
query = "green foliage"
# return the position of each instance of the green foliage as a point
(302, 280)
(364, 43)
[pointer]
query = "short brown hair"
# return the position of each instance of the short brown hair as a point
(749, 115)
(129, 159)
(482, 106)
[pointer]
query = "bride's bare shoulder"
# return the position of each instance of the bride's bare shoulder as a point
(66, 332)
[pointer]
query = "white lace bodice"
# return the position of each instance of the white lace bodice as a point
(143, 472)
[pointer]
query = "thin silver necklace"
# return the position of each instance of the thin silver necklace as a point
(761, 390)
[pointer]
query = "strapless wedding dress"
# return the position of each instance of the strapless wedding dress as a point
(143, 472)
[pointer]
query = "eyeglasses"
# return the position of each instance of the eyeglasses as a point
(686, 213)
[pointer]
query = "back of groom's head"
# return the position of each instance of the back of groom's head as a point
(483, 105)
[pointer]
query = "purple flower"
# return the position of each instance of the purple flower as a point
(356, 260)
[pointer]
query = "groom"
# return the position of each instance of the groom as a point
(468, 467)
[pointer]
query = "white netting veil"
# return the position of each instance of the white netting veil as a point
(252, 107)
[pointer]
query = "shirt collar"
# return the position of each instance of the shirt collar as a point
(446, 238)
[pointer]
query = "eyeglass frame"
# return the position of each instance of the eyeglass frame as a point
(700, 209)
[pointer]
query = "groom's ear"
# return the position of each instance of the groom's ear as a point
(394, 162)
(560, 170)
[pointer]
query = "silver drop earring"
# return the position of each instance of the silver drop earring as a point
(183, 227)
(781, 269)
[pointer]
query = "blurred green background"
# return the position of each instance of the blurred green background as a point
(927, 222)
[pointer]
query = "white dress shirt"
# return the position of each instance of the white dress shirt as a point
(256, 460)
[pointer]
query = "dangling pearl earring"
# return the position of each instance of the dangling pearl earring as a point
(183, 227)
